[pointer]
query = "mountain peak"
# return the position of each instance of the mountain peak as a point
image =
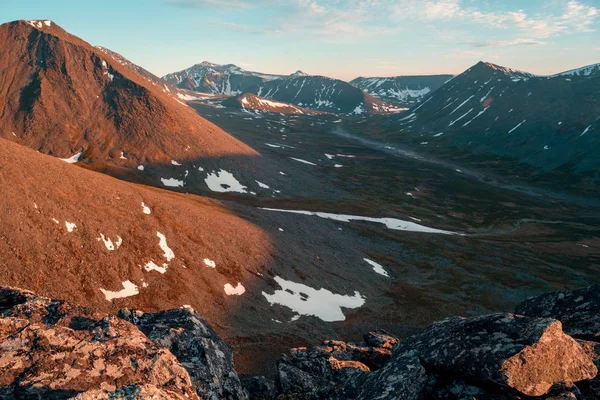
(488, 66)
(299, 73)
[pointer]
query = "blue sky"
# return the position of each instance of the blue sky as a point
(339, 38)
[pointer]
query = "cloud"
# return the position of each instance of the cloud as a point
(212, 4)
(351, 19)
(506, 43)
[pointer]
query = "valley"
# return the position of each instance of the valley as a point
(285, 209)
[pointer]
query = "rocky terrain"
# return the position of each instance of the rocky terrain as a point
(401, 91)
(323, 94)
(53, 349)
(311, 231)
(542, 129)
(70, 100)
(226, 79)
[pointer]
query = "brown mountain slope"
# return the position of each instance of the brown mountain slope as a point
(79, 235)
(61, 96)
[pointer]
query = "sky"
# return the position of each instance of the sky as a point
(338, 38)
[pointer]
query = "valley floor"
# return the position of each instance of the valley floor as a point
(504, 244)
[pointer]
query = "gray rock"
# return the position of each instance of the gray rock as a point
(578, 310)
(196, 345)
(403, 378)
(259, 387)
(528, 355)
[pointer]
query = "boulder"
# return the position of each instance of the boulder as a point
(131, 392)
(529, 355)
(40, 361)
(259, 387)
(196, 345)
(403, 378)
(578, 310)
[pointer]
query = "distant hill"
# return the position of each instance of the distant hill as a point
(248, 101)
(402, 91)
(549, 123)
(322, 93)
(226, 79)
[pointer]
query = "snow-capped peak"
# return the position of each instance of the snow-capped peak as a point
(299, 73)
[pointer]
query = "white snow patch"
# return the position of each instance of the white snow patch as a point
(210, 263)
(169, 255)
(273, 145)
(55, 221)
(234, 291)
(302, 161)
(172, 182)
(151, 266)
(146, 209)
(73, 159)
(330, 156)
(338, 166)
(107, 242)
(70, 226)
(141, 167)
(224, 181)
(586, 130)
(262, 185)
(390, 223)
(123, 156)
(378, 268)
(129, 289)
(320, 303)
(175, 163)
(513, 129)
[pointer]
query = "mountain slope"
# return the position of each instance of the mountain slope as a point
(226, 79)
(64, 97)
(551, 123)
(321, 93)
(249, 101)
(402, 91)
(93, 239)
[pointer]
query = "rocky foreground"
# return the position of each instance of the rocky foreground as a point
(548, 349)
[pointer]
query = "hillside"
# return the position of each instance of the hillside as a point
(323, 94)
(401, 91)
(252, 102)
(97, 241)
(228, 79)
(547, 124)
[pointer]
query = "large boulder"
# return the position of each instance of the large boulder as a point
(578, 310)
(527, 355)
(41, 361)
(197, 346)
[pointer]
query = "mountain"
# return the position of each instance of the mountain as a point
(226, 79)
(402, 91)
(249, 101)
(323, 94)
(98, 241)
(550, 124)
(65, 98)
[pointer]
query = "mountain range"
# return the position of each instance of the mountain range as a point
(547, 124)
(286, 209)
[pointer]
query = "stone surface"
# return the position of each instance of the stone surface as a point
(529, 355)
(196, 345)
(578, 310)
(259, 387)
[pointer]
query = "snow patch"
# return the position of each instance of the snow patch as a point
(172, 182)
(146, 209)
(390, 223)
(378, 268)
(168, 253)
(321, 303)
(224, 181)
(210, 263)
(70, 226)
(72, 159)
(234, 291)
(129, 289)
(302, 161)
